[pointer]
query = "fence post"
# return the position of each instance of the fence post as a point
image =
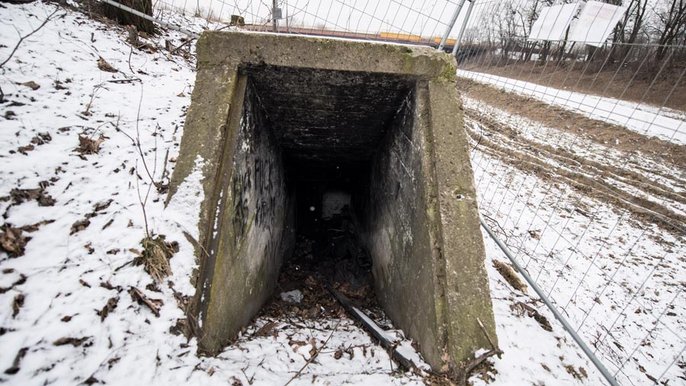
(565, 324)
(451, 25)
(464, 25)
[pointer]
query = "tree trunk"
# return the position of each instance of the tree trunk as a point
(126, 18)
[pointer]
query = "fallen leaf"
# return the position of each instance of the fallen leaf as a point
(34, 227)
(17, 361)
(76, 342)
(17, 304)
(21, 195)
(79, 226)
(509, 274)
(13, 241)
(521, 308)
(104, 66)
(139, 297)
(88, 145)
(91, 380)
(25, 149)
(267, 329)
(109, 307)
(41, 139)
(313, 350)
(31, 84)
(100, 206)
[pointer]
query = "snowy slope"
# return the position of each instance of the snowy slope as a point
(66, 312)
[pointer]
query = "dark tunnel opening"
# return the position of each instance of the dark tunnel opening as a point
(334, 133)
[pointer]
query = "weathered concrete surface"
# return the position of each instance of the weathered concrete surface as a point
(310, 109)
(251, 227)
(389, 113)
(398, 233)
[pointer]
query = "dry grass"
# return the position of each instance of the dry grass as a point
(88, 145)
(155, 256)
(510, 275)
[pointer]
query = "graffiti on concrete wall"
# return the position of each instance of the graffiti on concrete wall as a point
(257, 186)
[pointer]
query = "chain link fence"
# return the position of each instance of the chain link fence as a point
(579, 167)
(577, 149)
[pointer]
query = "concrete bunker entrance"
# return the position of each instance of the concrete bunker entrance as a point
(318, 152)
(325, 178)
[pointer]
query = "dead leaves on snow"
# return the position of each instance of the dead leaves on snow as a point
(76, 342)
(13, 241)
(37, 140)
(17, 361)
(153, 304)
(104, 66)
(521, 309)
(578, 374)
(267, 330)
(30, 84)
(20, 196)
(34, 227)
(109, 307)
(89, 145)
(82, 224)
(79, 226)
(17, 304)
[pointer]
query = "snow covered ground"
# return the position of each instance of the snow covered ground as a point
(661, 122)
(617, 277)
(70, 304)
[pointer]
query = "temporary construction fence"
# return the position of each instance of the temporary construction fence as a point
(579, 164)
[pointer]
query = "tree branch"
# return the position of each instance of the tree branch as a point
(21, 39)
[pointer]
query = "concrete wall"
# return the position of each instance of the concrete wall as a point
(253, 229)
(397, 236)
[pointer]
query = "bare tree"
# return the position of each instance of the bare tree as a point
(671, 24)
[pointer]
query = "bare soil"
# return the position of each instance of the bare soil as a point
(624, 84)
(590, 177)
(597, 131)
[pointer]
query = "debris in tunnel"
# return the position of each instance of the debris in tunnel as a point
(334, 256)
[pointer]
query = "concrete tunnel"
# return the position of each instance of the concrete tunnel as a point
(293, 129)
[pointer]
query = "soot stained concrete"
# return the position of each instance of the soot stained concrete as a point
(329, 116)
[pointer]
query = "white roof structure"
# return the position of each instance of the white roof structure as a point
(596, 22)
(553, 22)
